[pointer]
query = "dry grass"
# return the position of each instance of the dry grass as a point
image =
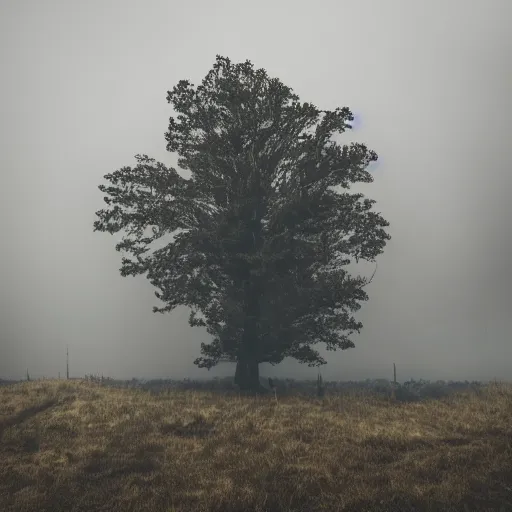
(75, 446)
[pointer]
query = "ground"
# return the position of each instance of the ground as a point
(79, 446)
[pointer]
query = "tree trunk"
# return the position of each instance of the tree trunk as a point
(247, 375)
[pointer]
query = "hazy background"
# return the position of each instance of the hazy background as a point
(84, 88)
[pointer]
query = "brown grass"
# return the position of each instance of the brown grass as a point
(75, 446)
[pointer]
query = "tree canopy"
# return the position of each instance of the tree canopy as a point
(264, 228)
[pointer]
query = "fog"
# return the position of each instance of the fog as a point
(84, 89)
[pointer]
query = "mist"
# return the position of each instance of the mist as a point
(84, 90)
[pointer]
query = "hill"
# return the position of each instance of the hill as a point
(80, 446)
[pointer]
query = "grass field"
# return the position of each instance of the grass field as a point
(77, 446)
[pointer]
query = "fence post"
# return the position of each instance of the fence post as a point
(394, 382)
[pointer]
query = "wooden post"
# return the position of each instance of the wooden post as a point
(394, 382)
(272, 387)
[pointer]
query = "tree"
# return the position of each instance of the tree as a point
(262, 238)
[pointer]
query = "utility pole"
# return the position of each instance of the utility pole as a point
(67, 362)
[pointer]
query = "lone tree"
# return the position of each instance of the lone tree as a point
(261, 237)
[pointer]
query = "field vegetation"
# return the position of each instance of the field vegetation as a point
(80, 445)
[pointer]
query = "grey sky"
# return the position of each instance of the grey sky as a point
(84, 88)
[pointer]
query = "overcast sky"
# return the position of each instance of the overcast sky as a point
(84, 88)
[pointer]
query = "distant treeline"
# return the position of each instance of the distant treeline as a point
(411, 390)
(408, 391)
(5, 382)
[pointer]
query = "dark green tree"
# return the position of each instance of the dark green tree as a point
(263, 230)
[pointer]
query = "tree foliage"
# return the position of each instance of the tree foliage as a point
(263, 230)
